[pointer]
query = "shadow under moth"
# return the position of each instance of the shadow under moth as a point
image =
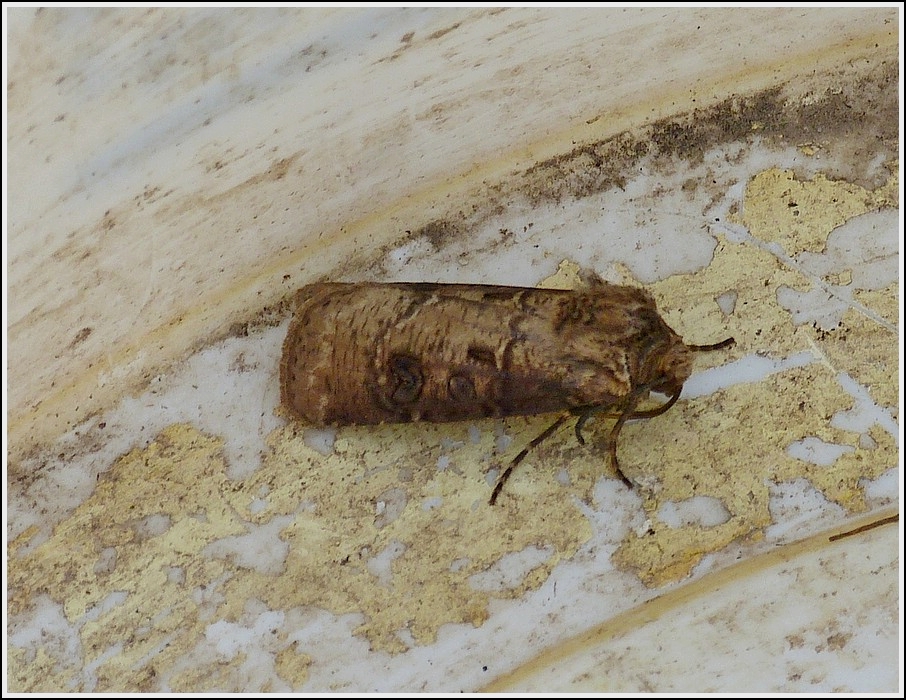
(370, 353)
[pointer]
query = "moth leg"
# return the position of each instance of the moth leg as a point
(518, 458)
(583, 419)
(628, 412)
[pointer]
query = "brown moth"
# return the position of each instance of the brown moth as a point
(367, 353)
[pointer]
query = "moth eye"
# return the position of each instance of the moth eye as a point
(461, 388)
(407, 379)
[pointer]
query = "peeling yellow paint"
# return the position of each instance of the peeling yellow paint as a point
(179, 479)
(732, 444)
(799, 214)
(438, 544)
(334, 537)
(292, 666)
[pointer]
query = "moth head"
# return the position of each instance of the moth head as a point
(672, 366)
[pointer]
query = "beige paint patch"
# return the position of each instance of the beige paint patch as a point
(799, 214)
(861, 346)
(731, 445)
(180, 476)
(407, 574)
(444, 534)
(292, 665)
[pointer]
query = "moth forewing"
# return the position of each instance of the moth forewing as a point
(393, 353)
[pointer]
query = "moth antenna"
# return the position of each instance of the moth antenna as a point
(518, 458)
(652, 412)
(591, 412)
(728, 342)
